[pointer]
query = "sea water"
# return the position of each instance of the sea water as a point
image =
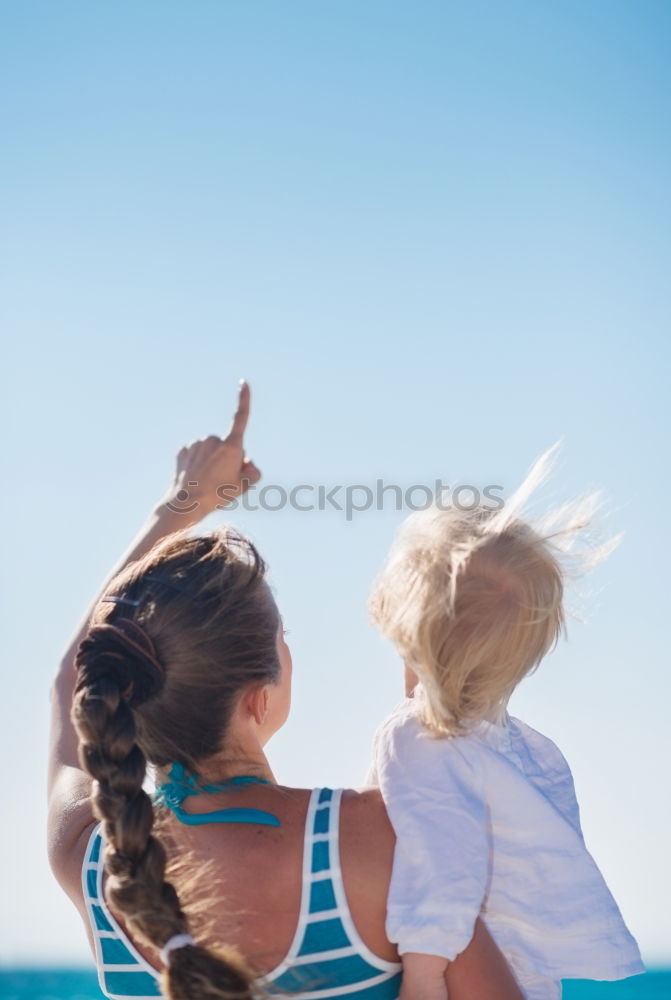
(82, 984)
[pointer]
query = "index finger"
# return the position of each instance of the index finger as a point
(241, 415)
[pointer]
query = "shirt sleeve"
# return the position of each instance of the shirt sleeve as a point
(434, 792)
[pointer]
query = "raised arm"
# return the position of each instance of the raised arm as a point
(202, 468)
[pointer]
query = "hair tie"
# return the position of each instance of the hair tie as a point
(176, 941)
(116, 599)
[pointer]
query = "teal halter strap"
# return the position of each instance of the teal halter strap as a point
(182, 784)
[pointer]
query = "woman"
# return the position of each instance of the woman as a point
(182, 663)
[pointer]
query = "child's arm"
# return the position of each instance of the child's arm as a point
(434, 794)
(423, 977)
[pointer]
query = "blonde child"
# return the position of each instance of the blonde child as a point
(483, 806)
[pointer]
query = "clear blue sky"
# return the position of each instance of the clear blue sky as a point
(434, 236)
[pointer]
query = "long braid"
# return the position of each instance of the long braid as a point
(119, 671)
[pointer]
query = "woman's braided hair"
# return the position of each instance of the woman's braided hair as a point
(159, 673)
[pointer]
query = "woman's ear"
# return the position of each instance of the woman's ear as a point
(256, 703)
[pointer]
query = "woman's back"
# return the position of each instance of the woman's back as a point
(305, 901)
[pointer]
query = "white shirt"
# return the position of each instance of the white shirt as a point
(488, 824)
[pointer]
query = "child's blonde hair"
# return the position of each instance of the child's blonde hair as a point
(474, 599)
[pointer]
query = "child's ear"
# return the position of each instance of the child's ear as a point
(411, 681)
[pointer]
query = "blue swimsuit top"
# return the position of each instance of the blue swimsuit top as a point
(327, 957)
(182, 784)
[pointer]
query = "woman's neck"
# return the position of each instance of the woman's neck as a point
(236, 765)
(224, 766)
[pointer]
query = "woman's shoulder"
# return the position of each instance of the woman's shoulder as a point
(366, 856)
(365, 806)
(366, 832)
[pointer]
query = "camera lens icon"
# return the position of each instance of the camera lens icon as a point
(182, 503)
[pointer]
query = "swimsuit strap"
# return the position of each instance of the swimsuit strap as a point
(182, 784)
